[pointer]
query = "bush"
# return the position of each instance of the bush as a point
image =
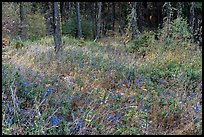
(146, 39)
(175, 32)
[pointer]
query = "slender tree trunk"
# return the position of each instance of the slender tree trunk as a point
(103, 20)
(113, 19)
(79, 31)
(57, 32)
(92, 18)
(134, 20)
(179, 9)
(21, 27)
(98, 34)
(50, 18)
(192, 17)
(33, 7)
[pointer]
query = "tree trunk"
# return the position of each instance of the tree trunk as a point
(21, 27)
(50, 25)
(113, 19)
(192, 17)
(79, 31)
(33, 7)
(179, 9)
(98, 35)
(57, 32)
(134, 20)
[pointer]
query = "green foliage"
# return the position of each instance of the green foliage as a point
(198, 5)
(142, 43)
(70, 27)
(35, 26)
(18, 45)
(175, 32)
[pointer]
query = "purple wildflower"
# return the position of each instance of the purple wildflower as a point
(54, 120)
(79, 124)
(196, 109)
(49, 91)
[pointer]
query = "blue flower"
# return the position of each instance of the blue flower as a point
(171, 93)
(136, 81)
(54, 120)
(25, 83)
(19, 68)
(61, 118)
(196, 120)
(112, 81)
(9, 121)
(163, 91)
(49, 91)
(140, 86)
(118, 94)
(192, 95)
(129, 82)
(79, 124)
(72, 80)
(94, 76)
(196, 109)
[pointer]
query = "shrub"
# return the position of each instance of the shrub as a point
(141, 44)
(175, 32)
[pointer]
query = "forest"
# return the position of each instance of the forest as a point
(101, 68)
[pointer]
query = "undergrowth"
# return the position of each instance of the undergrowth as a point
(96, 89)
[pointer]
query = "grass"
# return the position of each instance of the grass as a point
(95, 88)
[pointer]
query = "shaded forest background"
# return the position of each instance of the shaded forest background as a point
(92, 20)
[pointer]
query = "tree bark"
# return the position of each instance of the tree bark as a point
(98, 34)
(57, 32)
(33, 7)
(113, 19)
(192, 17)
(179, 9)
(79, 31)
(21, 27)
(134, 20)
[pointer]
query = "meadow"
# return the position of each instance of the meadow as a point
(143, 87)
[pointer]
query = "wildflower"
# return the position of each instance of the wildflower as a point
(140, 86)
(61, 118)
(129, 82)
(86, 102)
(192, 95)
(118, 94)
(111, 118)
(196, 109)
(163, 91)
(112, 81)
(72, 80)
(25, 83)
(79, 123)
(94, 76)
(19, 68)
(54, 120)
(196, 120)
(49, 91)
(171, 93)
(9, 120)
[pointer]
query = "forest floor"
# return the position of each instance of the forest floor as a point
(84, 90)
